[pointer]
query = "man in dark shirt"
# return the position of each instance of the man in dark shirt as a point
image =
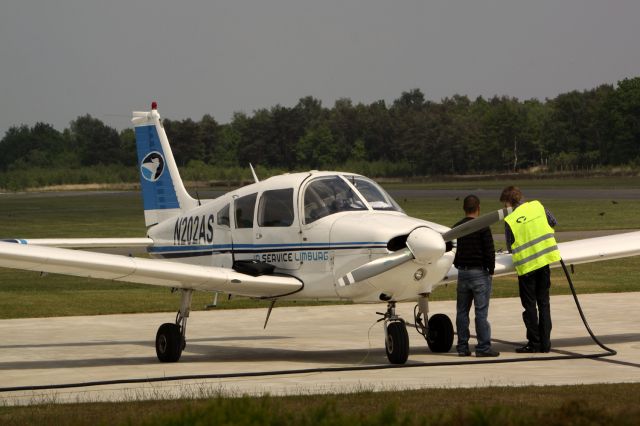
(475, 260)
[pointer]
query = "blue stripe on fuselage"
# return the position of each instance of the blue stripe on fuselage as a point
(267, 247)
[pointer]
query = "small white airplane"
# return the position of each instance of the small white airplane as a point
(313, 235)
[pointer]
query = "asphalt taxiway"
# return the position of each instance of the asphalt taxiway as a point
(57, 351)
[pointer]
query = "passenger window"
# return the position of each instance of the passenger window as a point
(276, 208)
(223, 216)
(245, 206)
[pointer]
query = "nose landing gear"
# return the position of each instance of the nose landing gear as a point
(437, 330)
(396, 341)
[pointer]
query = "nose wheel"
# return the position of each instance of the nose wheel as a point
(396, 341)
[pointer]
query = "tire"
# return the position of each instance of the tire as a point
(440, 336)
(169, 343)
(397, 342)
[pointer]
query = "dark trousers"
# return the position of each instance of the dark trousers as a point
(534, 290)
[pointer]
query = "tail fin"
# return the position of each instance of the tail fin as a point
(163, 193)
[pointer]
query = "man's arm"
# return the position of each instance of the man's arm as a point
(551, 219)
(508, 236)
(488, 251)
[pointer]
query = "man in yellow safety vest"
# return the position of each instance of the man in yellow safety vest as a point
(530, 239)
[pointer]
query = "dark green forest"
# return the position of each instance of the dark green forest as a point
(412, 136)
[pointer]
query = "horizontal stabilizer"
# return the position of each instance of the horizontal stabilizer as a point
(86, 242)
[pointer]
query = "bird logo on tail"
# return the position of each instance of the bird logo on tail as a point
(152, 166)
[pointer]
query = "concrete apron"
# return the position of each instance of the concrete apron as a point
(48, 351)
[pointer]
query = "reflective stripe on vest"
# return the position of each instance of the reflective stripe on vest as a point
(535, 245)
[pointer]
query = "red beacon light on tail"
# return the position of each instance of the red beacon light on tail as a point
(154, 105)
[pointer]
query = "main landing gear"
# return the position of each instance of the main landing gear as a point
(170, 338)
(437, 331)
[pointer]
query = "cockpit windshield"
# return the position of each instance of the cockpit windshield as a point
(374, 194)
(328, 195)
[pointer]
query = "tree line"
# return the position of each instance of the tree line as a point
(412, 136)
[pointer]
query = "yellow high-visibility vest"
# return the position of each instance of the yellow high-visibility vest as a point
(534, 246)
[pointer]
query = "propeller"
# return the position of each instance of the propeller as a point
(423, 244)
(476, 224)
(376, 267)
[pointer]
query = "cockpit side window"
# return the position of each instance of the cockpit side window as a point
(245, 206)
(223, 216)
(328, 195)
(276, 208)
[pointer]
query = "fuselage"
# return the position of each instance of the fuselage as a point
(315, 226)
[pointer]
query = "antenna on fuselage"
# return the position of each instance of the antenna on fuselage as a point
(253, 172)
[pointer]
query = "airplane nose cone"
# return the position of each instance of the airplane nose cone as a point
(426, 244)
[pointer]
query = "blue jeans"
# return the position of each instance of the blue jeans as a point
(474, 286)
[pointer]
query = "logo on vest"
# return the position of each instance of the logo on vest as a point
(521, 219)
(152, 166)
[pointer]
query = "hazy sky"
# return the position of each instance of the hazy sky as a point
(64, 58)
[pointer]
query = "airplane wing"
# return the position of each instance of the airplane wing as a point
(144, 271)
(575, 252)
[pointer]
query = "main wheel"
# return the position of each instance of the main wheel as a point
(397, 342)
(440, 336)
(169, 343)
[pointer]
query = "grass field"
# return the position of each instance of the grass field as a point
(27, 294)
(86, 214)
(604, 404)
(594, 182)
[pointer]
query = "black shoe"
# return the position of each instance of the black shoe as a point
(527, 349)
(487, 353)
(465, 353)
